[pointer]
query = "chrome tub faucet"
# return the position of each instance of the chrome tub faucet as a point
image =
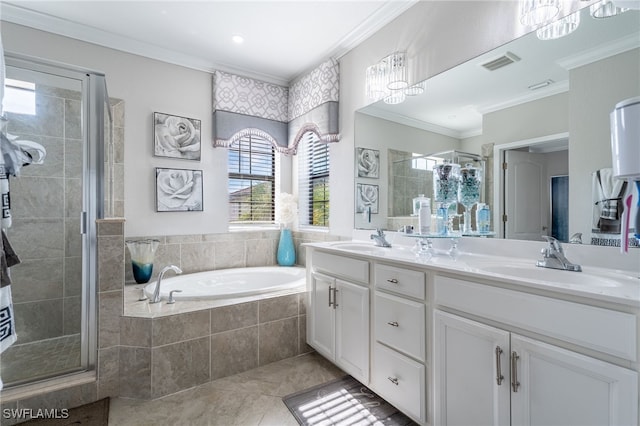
(156, 291)
(553, 257)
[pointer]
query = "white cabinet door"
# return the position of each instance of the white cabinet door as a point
(352, 329)
(560, 387)
(322, 317)
(471, 372)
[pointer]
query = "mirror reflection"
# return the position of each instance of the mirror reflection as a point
(544, 111)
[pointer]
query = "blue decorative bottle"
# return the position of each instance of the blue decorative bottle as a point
(286, 251)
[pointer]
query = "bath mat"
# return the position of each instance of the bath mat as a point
(92, 414)
(343, 400)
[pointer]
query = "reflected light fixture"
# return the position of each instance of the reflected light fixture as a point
(387, 79)
(559, 28)
(537, 12)
(416, 89)
(605, 9)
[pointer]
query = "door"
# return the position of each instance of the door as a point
(322, 321)
(352, 329)
(526, 196)
(471, 372)
(560, 387)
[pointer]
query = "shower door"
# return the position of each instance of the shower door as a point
(51, 205)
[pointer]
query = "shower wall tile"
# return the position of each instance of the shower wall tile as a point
(73, 158)
(197, 257)
(234, 351)
(234, 316)
(36, 197)
(118, 112)
(278, 340)
(110, 263)
(278, 308)
(72, 197)
(38, 320)
(177, 328)
(135, 372)
(72, 314)
(72, 276)
(37, 239)
(179, 366)
(109, 312)
(108, 372)
(118, 182)
(73, 119)
(72, 237)
(53, 165)
(34, 280)
(118, 145)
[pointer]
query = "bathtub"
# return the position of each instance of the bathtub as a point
(230, 283)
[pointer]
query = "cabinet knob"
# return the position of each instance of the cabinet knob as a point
(393, 323)
(392, 281)
(393, 380)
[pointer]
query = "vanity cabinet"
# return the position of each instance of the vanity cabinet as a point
(486, 374)
(338, 318)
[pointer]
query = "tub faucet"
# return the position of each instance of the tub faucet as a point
(553, 257)
(379, 238)
(156, 292)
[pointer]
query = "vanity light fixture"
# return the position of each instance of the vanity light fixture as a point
(560, 28)
(538, 12)
(605, 9)
(387, 79)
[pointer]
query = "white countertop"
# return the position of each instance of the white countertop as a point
(615, 285)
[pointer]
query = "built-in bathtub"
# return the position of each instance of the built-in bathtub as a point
(230, 283)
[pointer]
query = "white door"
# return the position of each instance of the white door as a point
(471, 372)
(560, 387)
(322, 319)
(352, 329)
(526, 193)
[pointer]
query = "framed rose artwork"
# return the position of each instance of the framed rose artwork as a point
(366, 198)
(176, 137)
(368, 162)
(178, 190)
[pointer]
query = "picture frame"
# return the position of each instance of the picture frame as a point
(179, 190)
(176, 137)
(368, 163)
(367, 196)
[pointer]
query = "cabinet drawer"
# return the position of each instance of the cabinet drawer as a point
(400, 323)
(345, 267)
(603, 330)
(399, 380)
(401, 281)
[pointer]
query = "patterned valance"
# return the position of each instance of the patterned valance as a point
(309, 108)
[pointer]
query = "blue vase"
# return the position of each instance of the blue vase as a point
(286, 250)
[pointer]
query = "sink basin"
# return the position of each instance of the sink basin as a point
(361, 248)
(592, 277)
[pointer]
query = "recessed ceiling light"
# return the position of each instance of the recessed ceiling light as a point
(237, 39)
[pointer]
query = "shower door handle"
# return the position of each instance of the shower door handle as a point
(83, 223)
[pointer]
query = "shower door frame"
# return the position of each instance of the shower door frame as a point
(94, 99)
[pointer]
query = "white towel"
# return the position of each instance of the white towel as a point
(606, 192)
(7, 322)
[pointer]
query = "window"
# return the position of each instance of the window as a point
(19, 97)
(313, 178)
(251, 167)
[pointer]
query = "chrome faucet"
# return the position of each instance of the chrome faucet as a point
(553, 257)
(379, 238)
(156, 291)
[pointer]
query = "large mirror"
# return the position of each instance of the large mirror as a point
(540, 106)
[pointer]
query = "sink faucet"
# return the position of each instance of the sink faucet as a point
(156, 292)
(379, 238)
(553, 257)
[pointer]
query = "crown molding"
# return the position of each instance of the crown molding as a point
(411, 122)
(600, 52)
(554, 89)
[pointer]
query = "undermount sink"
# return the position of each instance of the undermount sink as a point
(361, 248)
(593, 277)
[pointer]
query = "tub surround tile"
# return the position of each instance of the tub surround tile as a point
(229, 254)
(110, 227)
(179, 366)
(234, 351)
(234, 316)
(135, 332)
(197, 257)
(260, 252)
(278, 340)
(109, 313)
(135, 372)
(278, 308)
(177, 328)
(110, 263)
(183, 239)
(108, 372)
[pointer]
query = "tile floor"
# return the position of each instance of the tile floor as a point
(250, 398)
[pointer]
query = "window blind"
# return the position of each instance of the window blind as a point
(313, 181)
(251, 166)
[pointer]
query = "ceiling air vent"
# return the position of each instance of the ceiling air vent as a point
(507, 59)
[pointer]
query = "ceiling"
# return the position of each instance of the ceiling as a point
(282, 39)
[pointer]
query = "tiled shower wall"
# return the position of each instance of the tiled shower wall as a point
(46, 208)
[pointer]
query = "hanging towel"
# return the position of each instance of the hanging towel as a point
(8, 258)
(5, 201)
(607, 194)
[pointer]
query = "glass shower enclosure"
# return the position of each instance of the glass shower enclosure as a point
(53, 209)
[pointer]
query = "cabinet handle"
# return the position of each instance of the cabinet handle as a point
(393, 323)
(392, 281)
(499, 376)
(393, 380)
(335, 297)
(330, 290)
(514, 371)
